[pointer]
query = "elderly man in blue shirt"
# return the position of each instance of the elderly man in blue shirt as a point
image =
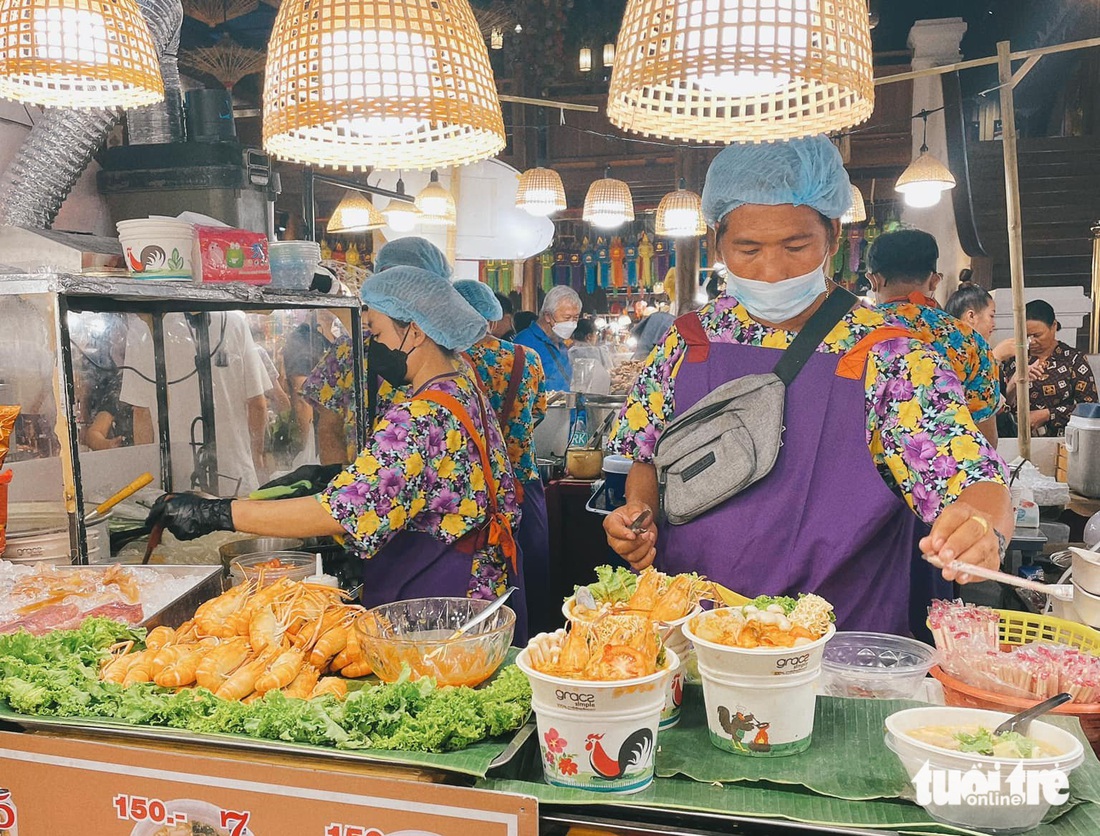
(547, 335)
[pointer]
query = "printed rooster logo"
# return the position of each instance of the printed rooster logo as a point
(737, 726)
(634, 755)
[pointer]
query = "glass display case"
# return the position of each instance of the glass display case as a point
(200, 386)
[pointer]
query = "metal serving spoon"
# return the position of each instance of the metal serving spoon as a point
(1019, 722)
(466, 626)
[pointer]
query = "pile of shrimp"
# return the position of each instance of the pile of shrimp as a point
(610, 647)
(663, 598)
(249, 641)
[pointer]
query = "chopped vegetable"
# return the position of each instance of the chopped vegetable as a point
(984, 742)
(614, 585)
(762, 602)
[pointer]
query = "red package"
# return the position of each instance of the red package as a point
(224, 254)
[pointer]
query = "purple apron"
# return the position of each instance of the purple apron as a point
(533, 540)
(822, 521)
(416, 565)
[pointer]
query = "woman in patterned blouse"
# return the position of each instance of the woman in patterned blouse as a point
(1059, 377)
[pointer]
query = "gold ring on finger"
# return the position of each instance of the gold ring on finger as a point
(983, 522)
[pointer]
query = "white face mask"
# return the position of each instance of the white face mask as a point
(777, 301)
(565, 329)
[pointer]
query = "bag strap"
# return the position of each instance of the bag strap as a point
(816, 329)
(853, 362)
(518, 365)
(500, 528)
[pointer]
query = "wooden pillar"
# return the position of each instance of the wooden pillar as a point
(687, 274)
(532, 280)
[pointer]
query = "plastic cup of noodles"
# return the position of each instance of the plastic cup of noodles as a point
(755, 662)
(598, 736)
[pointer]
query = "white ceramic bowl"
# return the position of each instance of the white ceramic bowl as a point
(997, 805)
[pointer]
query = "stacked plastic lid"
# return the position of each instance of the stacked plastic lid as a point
(293, 263)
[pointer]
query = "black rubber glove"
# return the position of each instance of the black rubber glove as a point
(188, 516)
(318, 476)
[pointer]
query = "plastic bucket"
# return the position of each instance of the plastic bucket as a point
(157, 249)
(598, 736)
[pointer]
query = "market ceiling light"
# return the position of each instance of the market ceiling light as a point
(401, 215)
(355, 213)
(496, 38)
(540, 192)
(858, 213)
(680, 214)
(436, 204)
(608, 203)
(384, 85)
(78, 54)
(584, 60)
(926, 179)
(742, 70)
(608, 52)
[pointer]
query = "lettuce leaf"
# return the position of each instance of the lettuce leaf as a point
(762, 602)
(613, 585)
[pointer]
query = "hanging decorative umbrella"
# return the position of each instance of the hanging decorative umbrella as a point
(217, 12)
(227, 61)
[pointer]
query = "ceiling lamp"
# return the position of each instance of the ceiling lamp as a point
(857, 214)
(436, 204)
(584, 60)
(742, 70)
(608, 51)
(401, 215)
(680, 214)
(540, 192)
(608, 203)
(386, 85)
(78, 54)
(926, 179)
(496, 38)
(355, 214)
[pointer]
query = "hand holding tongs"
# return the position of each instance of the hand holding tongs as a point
(1061, 591)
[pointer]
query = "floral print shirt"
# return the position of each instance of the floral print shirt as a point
(494, 360)
(1066, 381)
(920, 435)
(421, 472)
(965, 350)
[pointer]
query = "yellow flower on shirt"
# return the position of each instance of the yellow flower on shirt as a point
(776, 339)
(454, 525)
(397, 517)
(455, 441)
(414, 465)
(418, 408)
(910, 413)
(477, 479)
(446, 467)
(366, 463)
(367, 524)
(468, 508)
(637, 416)
(416, 506)
(923, 370)
(657, 402)
(965, 448)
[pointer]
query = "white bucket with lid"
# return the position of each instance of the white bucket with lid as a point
(38, 534)
(1083, 450)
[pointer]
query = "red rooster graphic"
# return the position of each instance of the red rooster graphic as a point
(634, 754)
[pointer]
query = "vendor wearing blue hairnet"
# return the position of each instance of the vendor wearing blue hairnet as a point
(875, 431)
(512, 377)
(430, 503)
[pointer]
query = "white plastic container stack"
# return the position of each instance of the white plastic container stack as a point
(157, 248)
(293, 263)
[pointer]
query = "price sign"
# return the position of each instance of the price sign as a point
(139, 808)
(236, 822)
(335, 829)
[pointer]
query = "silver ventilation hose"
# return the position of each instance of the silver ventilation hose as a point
(62, 143)
(163, 121)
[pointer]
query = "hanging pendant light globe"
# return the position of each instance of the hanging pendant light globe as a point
(384, 85)
(857, 213)
(355, 213)
(76, 54)
(608, 203)
(436, 204)
(540, 192)
(742, 70)
(924, 181)
(401, 215)
(680, 214)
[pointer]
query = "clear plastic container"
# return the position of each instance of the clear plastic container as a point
(293, 264)
(264, 568)
(875, 666)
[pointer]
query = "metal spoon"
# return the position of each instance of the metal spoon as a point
(473, 622)
(1019, 722)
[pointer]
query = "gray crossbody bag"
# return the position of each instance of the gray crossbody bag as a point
(730, 439)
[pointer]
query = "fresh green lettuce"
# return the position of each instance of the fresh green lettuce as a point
(614, 585)
(762, 602)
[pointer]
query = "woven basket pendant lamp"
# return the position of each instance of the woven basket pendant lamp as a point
(355, 213)
(742, 70)
(401, 215)
(858, 213)
(926, 179)
(540, 192)
(78, 54)
(384, 84)
(608, 203)
(436, 204)
(680, 214)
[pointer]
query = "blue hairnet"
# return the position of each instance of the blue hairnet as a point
(414, 295)
(802, 172)
(481, 299)
(412, 252)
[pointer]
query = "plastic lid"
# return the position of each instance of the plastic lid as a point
(1087, 410)
(617, 464)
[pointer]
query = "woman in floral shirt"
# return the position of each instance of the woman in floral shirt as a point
(876, 425)
(431, 501)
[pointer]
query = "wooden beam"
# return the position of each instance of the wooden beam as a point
(550, 103)
(1029, 64)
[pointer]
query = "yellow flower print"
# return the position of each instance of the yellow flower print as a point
(397, 517)
(922, 369)
(367, 464)
(636, 416)
(955, 486)
(414, 465)
(343, 478)
(965, 449)
(468, 508)
(418, 409)
(839, 334)
(866, 316)
(775, 339)
(367, 524)
(477, 479)
(898, 468)
(657, 402)
(446, 468)
(671, 341)
(454, 441)
(326, 393)
(454, 525)
(909, 414)
(416, 506)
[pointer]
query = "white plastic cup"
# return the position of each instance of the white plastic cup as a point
(598, 736)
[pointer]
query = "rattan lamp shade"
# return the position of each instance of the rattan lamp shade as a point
(436, 204)
(742, 70)
(680, 215)
(78, 54)
(540, 192)
(924, 181)
(858, 213)
(384, 84)
(355, 213)
(608, 204)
